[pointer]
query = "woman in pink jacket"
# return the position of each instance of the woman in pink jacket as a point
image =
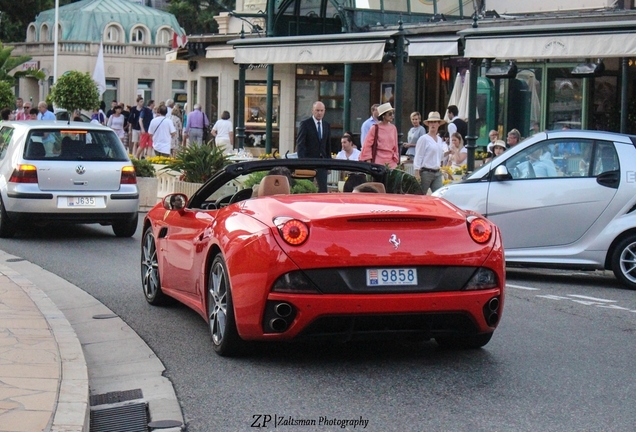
(383, 149)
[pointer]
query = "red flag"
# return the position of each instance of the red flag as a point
(179, 41)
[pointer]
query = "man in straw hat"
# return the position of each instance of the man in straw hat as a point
(429, 153)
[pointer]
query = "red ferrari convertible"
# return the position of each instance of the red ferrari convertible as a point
(262, 256)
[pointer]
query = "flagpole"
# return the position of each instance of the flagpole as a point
(55, 39)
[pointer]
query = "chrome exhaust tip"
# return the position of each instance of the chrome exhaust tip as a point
(283, 310)
(493, 304)
(278, 325)
(493, 319)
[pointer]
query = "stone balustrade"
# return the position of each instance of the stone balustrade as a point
(90, 49)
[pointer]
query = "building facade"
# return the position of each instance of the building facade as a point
(347, 54)
(135, 41)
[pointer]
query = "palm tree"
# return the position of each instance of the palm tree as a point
(8, 63)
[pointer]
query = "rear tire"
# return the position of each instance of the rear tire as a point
(7, 228)
(225, 338)
(150, 280)
(463, 342)
(126, 228)
(624, 261)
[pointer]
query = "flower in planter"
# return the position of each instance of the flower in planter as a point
(160, 160)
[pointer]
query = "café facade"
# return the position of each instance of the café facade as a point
(530, 71)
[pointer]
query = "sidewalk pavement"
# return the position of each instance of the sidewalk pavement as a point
(67, 360)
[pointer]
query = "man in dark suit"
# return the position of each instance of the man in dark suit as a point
(313, 141)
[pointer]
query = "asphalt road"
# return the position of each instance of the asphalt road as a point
(562, 358)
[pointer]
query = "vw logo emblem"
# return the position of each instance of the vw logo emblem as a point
(80, 169)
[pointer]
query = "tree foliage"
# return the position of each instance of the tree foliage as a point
(75, 90)
(7, 98)
(197, 16)
(16, 16)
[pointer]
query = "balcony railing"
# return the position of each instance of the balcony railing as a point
(90, 49)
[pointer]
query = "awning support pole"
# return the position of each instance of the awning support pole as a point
(346, 120)
(240, 115)
(471, 138)
(399, 77)
(624, 84)
(270, 83)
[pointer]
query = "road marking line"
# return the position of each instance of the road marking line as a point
(522, 287)
(615, 307)
(592, 298)
(553, 297)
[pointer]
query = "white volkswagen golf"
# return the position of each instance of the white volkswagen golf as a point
(53, 171)
(563, 199)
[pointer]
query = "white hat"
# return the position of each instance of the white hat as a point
(434, 116)
(386, 107)
(499, 143)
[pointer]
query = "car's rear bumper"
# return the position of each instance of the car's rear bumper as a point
(32, 204)
(360, 316)
(71, 217)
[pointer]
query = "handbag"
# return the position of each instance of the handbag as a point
(374, 146)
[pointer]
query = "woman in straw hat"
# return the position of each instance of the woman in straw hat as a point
(381, 143)
(429, 153)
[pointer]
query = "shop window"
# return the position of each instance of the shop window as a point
(144, 89)
(180, 92)
(256, 111)
(111, 91)
(565, 99)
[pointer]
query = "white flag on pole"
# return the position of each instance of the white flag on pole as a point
(99, 74)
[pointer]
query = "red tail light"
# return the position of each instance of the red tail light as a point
(24, 174)
(479, 229)
(128, 175)
(293, 231)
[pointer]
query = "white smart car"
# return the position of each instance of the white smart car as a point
(52, 171)
(563, 199)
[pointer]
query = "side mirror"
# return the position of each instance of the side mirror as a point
(175, 201)
(501, 173)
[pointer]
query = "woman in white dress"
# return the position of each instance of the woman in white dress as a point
(117, 122)
(459, 153)
(175, 116)
(222, 132)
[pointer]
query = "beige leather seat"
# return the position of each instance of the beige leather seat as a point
(374, 187)
(274, 185)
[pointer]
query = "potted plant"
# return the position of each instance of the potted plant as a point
(197, 163)
(147, 183)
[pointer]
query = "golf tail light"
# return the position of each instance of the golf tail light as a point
(293, 231)
(128, 175)
(479, 229)
(24, 174)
